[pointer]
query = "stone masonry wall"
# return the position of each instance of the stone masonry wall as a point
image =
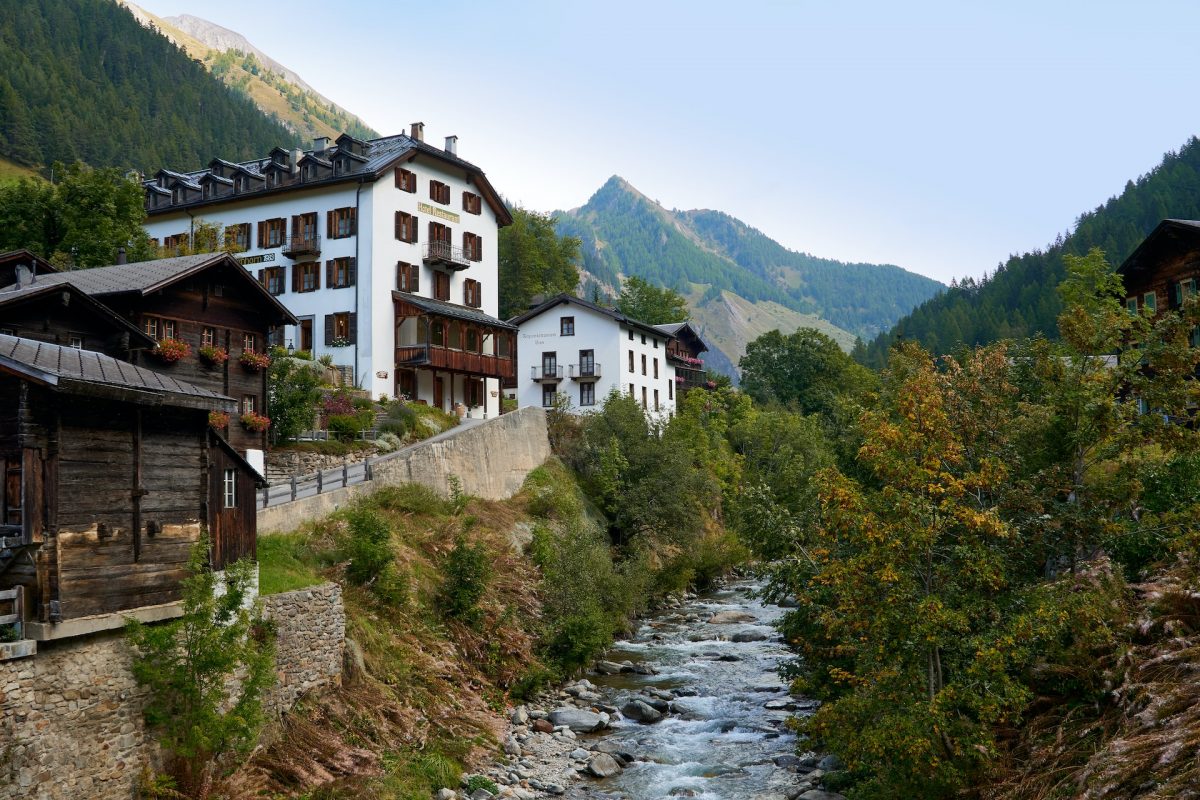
(283, 464)
(71, 717)
(491, 458)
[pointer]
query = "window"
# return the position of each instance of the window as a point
(631, 390)
(249, 342)
(502, 346)
(655, 343)
(1194, 337)
(471, 293)
(169, 329)
(550, 365)
(455, 337)
(176, 242)
(437, 333)
(548, 393)
(645, 405)
(631, 335)
(339, 328)
(306, 277)
(439, 233)
(304, 227)
(249, 404)
(631, 361)
(405, 181)
(472, 247)
(473, 340)
(230, 486)
(1183, 290)
(587, 363)
(340, 272)
(643, 338)
(472, 203)
(406, 227)
(272, 279)
(655, 367)
(566, 326)
(656, 399)
(1131, 305)
(341, 222)
(587, 394)
(408, 277)
(1149, 301)
(439, 192)
(208, 337)
(75, 340)
(150, 326)
(441, 286)
(643, 363)
(237, 237)
(271, 232)
(670, 390)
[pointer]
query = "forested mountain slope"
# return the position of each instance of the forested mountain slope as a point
(81, 79)
(1019, 299)
(736, 278)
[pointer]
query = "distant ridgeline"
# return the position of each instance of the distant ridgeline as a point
(1020, 298)
(703, 254)
(81, 79)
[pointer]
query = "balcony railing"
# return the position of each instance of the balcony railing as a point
(304, 244)
(447, 255)
(546, 373)
(480, 364)
(585, 372)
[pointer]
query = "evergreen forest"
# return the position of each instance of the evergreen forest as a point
(82, 80)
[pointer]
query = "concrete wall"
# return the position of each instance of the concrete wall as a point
(492, 459)
(71, 717)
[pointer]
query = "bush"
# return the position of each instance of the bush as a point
(476, 782)
(368, 546)
(347, 427)
(388, 443)
(468, 570)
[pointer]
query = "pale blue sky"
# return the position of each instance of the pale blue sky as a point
(938, 136)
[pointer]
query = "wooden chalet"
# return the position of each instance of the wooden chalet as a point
(455, 347)
(685, 350)
(111, 473)
(59, 313)
(201, 300)
(1164, 270)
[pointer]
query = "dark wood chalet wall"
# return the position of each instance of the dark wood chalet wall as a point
(48, 319)
(1162, 279)
(233, 532)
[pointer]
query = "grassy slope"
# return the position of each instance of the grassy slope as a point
(11, 171)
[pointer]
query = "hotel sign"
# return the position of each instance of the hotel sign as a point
(440, 213)
(244, 260)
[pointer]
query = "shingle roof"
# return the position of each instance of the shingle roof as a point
(1168, 236)
(80, 370)
(559, 299)
(444, 309)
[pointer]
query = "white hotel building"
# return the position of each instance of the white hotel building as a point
(386, 251)
(572, 347)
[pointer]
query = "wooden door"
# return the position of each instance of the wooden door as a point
(306, 335)
(439, 392)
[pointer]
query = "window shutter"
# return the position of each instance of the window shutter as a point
(295, 277)
(329, 273)
(330, 230)
(353, 326)
(296, 225)
(415, 271)
(398, 178)
(479, 248)
(412, 229)
(262, 277)
(353, 213)
(329, 330)
(351, 270)
(262, 235)
(316, 268)
(398, 236)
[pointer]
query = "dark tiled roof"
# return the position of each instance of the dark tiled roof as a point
(671, 328)
(66, 367)
(441, 308)
(608, 312)
(1168, 237)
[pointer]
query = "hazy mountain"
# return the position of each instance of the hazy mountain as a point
(275, 88)
(739, 282)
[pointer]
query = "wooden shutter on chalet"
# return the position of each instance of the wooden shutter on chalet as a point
(296, 222)
(352, 326)
(262, 277)
(329, 330)
(262, 235)
(329, 277)
(295, 277)
(330, 225)
(351, 270)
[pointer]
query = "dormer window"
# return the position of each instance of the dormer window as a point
(208, 190)
(178, 195)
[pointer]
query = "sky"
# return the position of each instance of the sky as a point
(942, 137)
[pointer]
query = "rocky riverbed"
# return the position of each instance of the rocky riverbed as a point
(690, 706)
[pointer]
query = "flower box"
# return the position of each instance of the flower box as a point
(212, 355)
(172, 350)
(218, 420)
(254, 361)
(255, 422)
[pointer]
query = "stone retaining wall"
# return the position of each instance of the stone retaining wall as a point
(283, 464)
(491, 458)
(71, 717)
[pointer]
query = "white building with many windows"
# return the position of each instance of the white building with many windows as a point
(386, 251)
(572, 347)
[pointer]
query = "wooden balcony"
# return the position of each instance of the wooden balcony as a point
(303, 245)
(444, 254)
(546, 373)
(443, 358)
(584, 373)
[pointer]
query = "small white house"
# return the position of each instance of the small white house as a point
(575, 348)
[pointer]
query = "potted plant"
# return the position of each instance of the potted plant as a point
(255, 422)
(172, 350)
(254, 361)
(218, 420)
(212, 355)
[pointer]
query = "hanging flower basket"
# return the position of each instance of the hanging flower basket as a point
(254, 361)
(172, 350)
(213, 356)
(255, 422)
(218, 420)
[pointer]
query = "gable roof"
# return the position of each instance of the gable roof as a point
(87, 372)
(1170, 237)
(138, 340)
(684, 330)
(612, 313)
(144, 277)
(442, 308)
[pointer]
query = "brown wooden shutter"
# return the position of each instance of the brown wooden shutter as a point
(329, 273)
(398, 226)
(295, 225)
(353, 326)
(262, 235)
(353, 212)
(329, 330)
(415, 271)
(316, 268)
(330, 230)
(351, 270)
(262, 277)
(295, 277)
(412, 228)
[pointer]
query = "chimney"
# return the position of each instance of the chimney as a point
(121, 259)
(452, 145)
(297, 154)
(320, 143)
(417, 131)
(22, 276)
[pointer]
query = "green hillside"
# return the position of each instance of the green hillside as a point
(745, 279)
(1019, 299)
(81, 79)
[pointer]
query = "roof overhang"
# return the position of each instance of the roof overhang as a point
(1170, 238)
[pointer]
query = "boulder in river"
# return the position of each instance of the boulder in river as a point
(752, 635)
(608, 667)
(640, 711)
(520, 716)
(731, 618)
(576, 719)
(603, 765)
(543, 726)
(818, 794)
